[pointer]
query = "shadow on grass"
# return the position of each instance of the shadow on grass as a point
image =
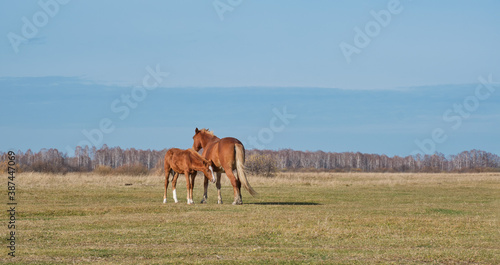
(285, 203)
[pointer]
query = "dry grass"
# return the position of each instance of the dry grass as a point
(353, 218)
(381, 179)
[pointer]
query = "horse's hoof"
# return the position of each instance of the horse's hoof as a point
(203, 201)
(219, 202)
(237, 203)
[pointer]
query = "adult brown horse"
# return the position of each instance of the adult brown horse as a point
(187, 162)
(227, 154)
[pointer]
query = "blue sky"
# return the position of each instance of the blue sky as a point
(66, 66)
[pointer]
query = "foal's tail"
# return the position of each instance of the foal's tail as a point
(240, 160)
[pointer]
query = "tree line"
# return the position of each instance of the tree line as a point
(106, 160)
(467, 161)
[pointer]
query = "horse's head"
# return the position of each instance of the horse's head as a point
(201, 138)
(197, 140)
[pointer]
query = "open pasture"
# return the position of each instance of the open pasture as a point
(348, 218)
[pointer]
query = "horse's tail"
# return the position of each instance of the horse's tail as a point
(166, 166)
(240, 167)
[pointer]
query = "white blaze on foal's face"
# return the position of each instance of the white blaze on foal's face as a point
(213, 176)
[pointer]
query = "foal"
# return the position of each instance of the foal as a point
(187, 162)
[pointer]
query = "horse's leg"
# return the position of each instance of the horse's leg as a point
(167, 175)
(205, 191)
(174, 184)
(234, 182)
(238, 185)
(219, 194)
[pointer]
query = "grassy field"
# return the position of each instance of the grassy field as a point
(345, 218)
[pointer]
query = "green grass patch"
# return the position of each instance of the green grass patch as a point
(445, 211)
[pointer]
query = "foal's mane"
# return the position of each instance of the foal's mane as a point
(197, 155)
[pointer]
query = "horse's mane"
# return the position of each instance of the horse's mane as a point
(207, 131)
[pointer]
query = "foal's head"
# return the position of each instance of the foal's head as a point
(206, 165)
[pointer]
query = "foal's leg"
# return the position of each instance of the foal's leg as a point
(193, 176)
(205, 191)
(219, 194)
(167, 175)
(188, 186)
(174, 184)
